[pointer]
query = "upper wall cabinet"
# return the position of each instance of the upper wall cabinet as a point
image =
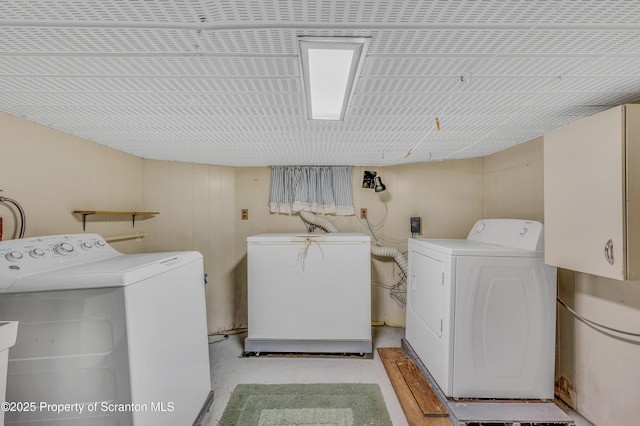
(592, 194)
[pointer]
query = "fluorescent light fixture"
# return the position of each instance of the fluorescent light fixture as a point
(330, 69)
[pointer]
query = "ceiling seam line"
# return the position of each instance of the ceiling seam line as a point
(259, 25)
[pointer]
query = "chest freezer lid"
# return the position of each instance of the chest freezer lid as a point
(335, 237)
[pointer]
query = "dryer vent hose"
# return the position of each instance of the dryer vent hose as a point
(393, 253)
(389, 252)
(320, 222)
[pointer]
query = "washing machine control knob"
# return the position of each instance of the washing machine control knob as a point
(86, 245)
(100, 243)
(36, 253)
(13, 256)
(64, 249)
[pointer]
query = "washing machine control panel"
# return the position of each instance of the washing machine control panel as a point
(37, 254)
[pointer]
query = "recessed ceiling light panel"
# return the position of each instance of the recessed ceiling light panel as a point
(330, 69)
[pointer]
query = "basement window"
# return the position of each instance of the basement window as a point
(318, 189)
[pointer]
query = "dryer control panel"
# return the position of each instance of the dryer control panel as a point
(27, 256)
(524, 234)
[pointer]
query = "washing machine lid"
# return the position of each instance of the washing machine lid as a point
(118, 271)
(459, 247)
(343, 237)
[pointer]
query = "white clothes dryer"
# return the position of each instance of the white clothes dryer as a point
(481, 311)
(104, 338)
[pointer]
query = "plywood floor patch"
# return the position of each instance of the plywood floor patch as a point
(422, 392)
(419, 403)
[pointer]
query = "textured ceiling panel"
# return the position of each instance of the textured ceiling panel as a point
(218, 81)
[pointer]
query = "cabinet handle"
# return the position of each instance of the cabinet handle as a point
(608, 252)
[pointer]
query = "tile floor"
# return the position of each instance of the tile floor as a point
(229, 368)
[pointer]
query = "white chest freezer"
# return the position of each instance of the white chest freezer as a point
(309, 293)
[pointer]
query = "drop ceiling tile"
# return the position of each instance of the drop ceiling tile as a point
(218, 82)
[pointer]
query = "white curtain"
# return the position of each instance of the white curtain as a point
(319, 189)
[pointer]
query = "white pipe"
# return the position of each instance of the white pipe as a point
(138, 237)
(391, 252)
(320, 222)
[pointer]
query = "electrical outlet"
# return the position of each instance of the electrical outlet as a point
(245, 214)
(363, 213)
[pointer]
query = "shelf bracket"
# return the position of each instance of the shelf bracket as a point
(133, 215)
(84, 221)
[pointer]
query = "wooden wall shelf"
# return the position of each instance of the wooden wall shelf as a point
(133, 215)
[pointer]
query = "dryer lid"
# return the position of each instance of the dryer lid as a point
(492, 237)
(459, 247)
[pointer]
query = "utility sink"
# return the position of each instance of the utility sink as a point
(8, 333)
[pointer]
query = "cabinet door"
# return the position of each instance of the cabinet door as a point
(584, 202)
(633, 191)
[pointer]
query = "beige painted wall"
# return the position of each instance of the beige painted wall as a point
(50, 174)
(448, 196)
(596, 372)
(514, 182)
(606, 368)
(196, 205)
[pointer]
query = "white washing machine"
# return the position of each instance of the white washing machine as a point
(481, 311)
(104, 338)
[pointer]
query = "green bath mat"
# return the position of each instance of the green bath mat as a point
(326, 404)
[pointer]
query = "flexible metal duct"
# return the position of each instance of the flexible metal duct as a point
(320, 222)
(393, 253)
(389, 252)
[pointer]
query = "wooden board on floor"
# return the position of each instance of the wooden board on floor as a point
(422, 392)
(419, 403)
